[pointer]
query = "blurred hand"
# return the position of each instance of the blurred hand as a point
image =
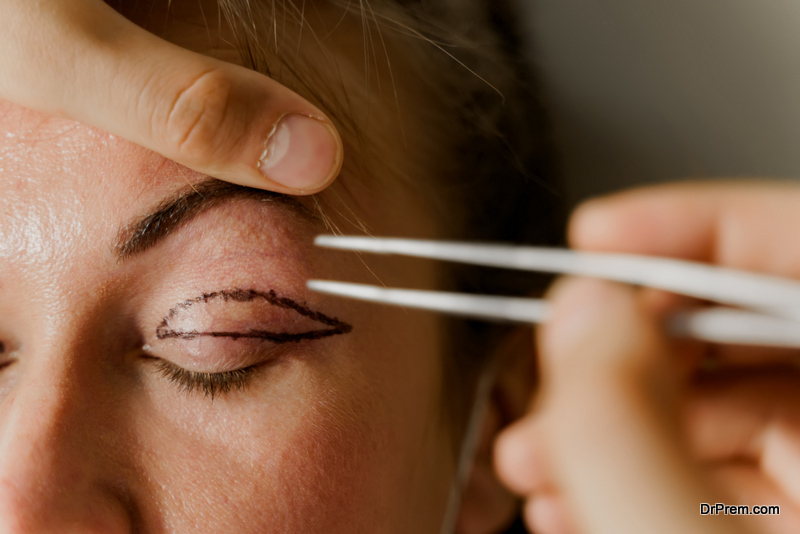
(81, 60)
(630, 432)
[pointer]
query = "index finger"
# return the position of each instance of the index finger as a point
(745, 225)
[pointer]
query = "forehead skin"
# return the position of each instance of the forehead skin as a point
(339, 436)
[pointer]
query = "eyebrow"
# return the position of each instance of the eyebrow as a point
(174, 212)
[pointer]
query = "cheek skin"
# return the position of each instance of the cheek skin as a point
(341, 438)
(345, 457)
(301, 460)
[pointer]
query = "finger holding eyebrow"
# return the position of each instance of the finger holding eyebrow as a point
(83, 61)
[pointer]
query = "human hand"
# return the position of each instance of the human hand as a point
(83, 61)
(629, 435)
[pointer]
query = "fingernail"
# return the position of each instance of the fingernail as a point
(301, 153)
(578, 304)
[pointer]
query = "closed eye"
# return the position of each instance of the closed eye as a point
(216, 313)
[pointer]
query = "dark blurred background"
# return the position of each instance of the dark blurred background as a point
(642, 91)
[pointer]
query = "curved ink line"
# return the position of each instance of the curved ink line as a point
(247, 295)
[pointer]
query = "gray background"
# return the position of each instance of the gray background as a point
(641, 91)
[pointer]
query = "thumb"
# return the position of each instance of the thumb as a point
(83, 61)
(615, 455)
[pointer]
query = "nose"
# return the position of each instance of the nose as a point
(54, 474)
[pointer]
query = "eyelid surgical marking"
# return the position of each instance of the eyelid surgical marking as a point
(247, 295)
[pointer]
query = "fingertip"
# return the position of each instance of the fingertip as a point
(590, 224)
(621, 222)
(301, 153)
(515, 458)
(242, 127)
(668, 220)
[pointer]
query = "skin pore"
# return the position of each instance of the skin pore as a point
(99, 428)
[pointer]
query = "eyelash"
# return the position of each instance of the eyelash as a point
(210, 384)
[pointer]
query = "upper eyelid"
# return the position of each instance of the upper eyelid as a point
(164, 331)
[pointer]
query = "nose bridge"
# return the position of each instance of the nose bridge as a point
(56, 461)
(34, 418)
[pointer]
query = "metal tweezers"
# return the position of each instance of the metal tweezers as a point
(767, 308)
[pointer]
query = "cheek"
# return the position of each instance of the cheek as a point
(344, 438)
(329, 471)
(306, 460)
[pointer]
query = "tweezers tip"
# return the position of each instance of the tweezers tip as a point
(323, 240)
(315, 285)
(375, 245)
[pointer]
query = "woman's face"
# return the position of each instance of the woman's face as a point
(110, 320)
(165, 369)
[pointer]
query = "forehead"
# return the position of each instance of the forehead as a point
(62, 178)
(73, 194)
